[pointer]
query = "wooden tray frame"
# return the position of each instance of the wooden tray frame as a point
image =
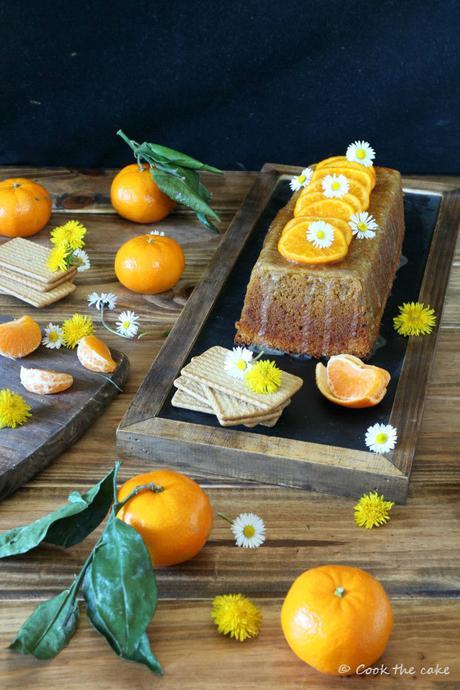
(212, 451)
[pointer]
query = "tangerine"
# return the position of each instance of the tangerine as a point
(25, 207)
(135, 195)
(44, 381)
(149, 263)
(336, 618)
(20, 337)
(175, 522)
(349, 382)
(94, 355)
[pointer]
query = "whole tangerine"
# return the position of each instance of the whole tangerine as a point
(174, 521)
(149, 264)
(135, 195)
(25, 207)
(336, 618)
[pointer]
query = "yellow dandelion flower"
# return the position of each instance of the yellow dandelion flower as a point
(14, 410)
(70, 235)
(75, 328)
(58, 259)
(263, 377)
(236, 615)
(414, 319)
(372, 510)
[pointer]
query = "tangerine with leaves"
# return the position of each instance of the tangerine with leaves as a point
(135, 195)
(174, 519)
(20, 337)
(149, 264)
(336, 618)
(95, 355)
(25, 207)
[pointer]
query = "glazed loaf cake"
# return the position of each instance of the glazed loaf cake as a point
(322, 310)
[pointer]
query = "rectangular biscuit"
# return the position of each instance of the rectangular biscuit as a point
(226, 407)
(34, 297)
(29, 259)
(32, 282)
(208, 368)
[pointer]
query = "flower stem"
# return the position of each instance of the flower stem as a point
(226, 518)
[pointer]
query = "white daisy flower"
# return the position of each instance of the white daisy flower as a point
(106, 299)
(160, 233)
(335, 186)
(302, 180)
(248, 530)
(320, 234)
(363, 225)
(53, 337)
(381, 438)
(80, 259)
(128, 324)
(238, 362)
(361, 152)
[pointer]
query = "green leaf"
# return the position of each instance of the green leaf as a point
(181, 191)
(163, 154)
(49, 628)
(120, 592)
(66, 526)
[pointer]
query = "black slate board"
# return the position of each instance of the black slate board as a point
(310, 417)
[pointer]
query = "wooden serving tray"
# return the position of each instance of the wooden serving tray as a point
(315, 445)
(57, 420)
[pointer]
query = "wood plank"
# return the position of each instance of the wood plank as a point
(195, 657)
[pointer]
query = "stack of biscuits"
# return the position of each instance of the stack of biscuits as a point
(205, 386)
(24, 274)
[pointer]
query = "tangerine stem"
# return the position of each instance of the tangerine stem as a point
(340, 592)
(155, 488)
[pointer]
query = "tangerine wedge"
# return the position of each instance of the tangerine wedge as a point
(94, 355)
(335, 208)
(342, 161)
(349, 382)
(294, 246)
(20, 337)
(45, 381)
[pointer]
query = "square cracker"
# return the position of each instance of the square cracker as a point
(182, 399)
(208, 369)
(29, 259)
(34, 297)
(33, 283)
(192, 388)
(227, 407)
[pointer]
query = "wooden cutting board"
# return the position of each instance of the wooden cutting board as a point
(57, 420)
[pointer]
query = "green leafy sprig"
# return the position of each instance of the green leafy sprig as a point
(117, 579)
(176, 174)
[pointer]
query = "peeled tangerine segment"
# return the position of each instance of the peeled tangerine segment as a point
(20, 337)
(336, 208)
(349, 382)
(342, 161)
(45, 381)
(94, 355)
(294, 246)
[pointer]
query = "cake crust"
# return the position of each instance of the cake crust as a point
(322, 310)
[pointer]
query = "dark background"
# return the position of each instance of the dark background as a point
(233, 83)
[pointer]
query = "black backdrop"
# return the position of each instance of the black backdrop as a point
(234, 83)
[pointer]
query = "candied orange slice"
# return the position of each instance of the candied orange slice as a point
(351, 174)
(45, 381)
(294, 245)
(341, 161)
(356, 189)
(20, 337)
(335, 208)
(94, 354)
(335, 222)
(349, 382)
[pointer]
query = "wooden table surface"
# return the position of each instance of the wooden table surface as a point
(416, 556)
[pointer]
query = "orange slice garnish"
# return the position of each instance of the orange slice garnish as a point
(45, 381)
(20, 337)
(341, 161)
(356, 189)
(94, 354)
(349, 382)
(351, 174)
(293, 244)
(335, 222)
(335, 208)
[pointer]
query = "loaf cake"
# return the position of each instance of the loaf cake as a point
(326, 309)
